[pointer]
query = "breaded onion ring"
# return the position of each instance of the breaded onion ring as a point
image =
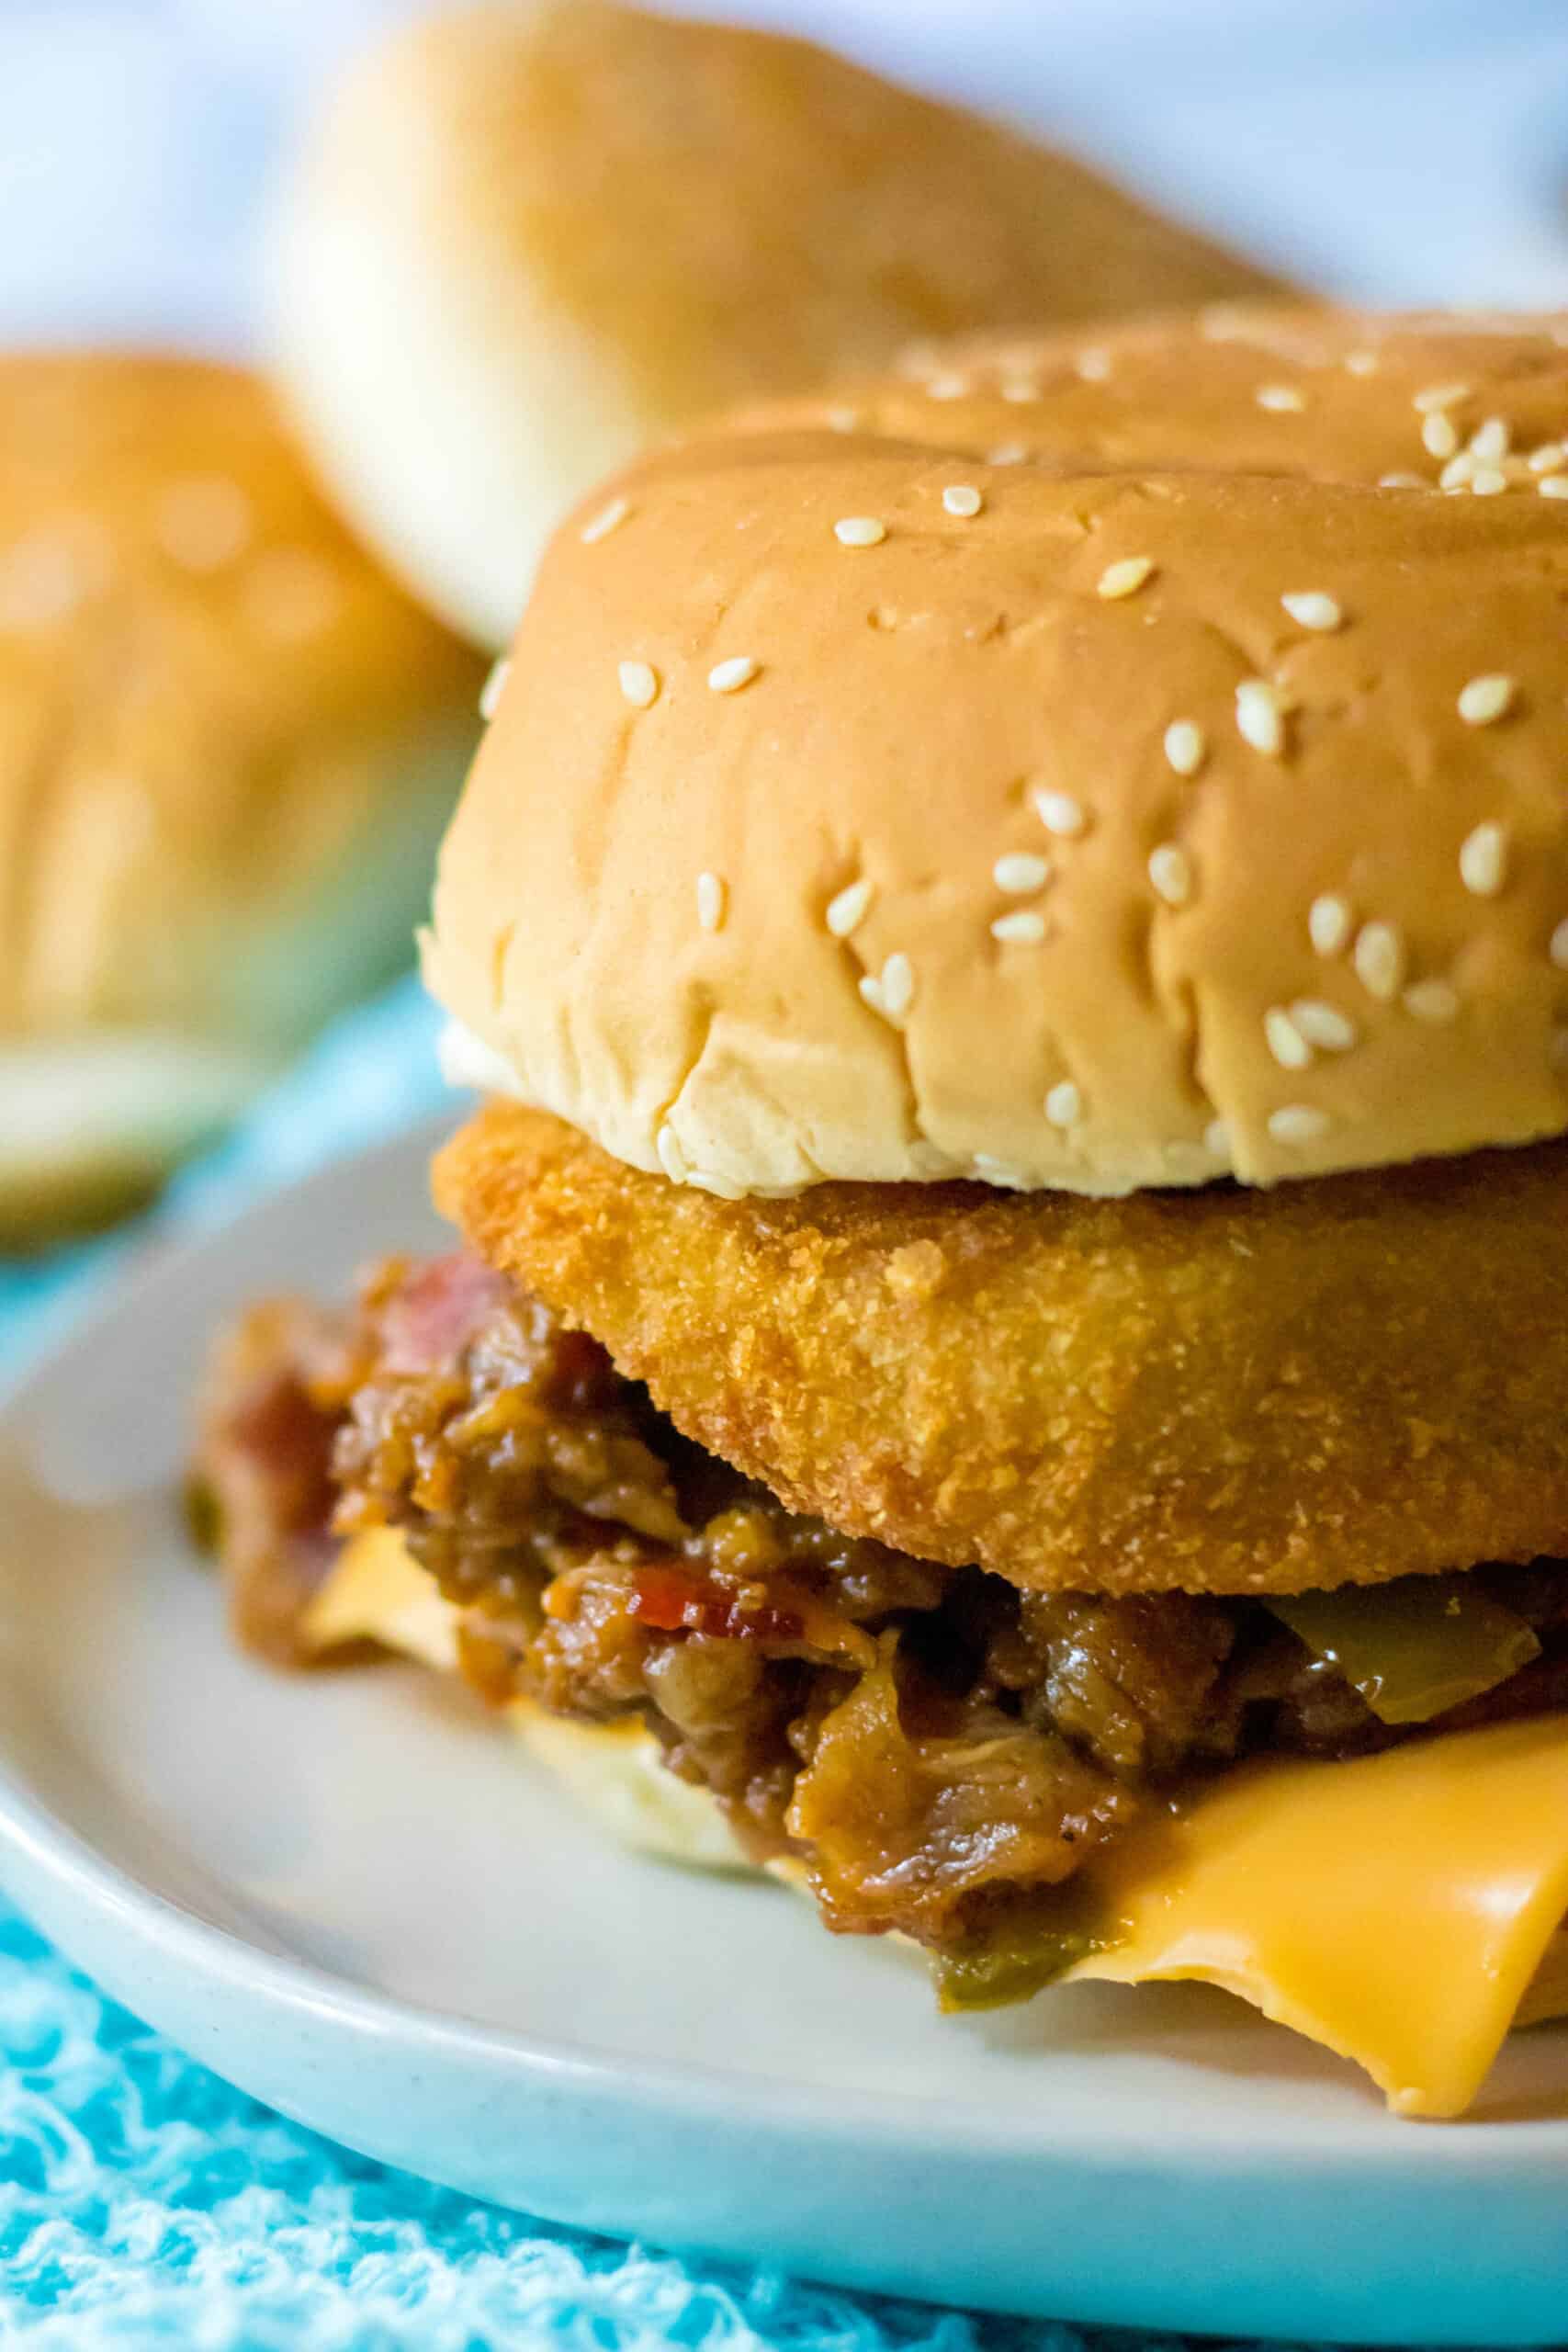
(1223, 1391)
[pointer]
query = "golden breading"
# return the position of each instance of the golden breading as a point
(1221, 1392)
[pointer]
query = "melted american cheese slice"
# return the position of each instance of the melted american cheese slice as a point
(1394, 1908)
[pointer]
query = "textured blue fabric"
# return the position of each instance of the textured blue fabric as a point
(144, 2203)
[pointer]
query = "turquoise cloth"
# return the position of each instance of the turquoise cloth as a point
(144, 2203)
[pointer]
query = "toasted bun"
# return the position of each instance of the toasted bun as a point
(527, 239)
(227, 744)
(1170, 802)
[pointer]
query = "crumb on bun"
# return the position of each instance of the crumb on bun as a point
(1093, 782)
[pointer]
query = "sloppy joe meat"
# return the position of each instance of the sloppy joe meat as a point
(942, 1750)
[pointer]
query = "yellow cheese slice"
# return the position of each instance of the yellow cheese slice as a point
(1394, 1908)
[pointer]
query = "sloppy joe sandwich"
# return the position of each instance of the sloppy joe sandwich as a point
(1006, 1353)
(228, 745)
(523, 240)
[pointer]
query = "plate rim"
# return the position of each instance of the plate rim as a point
(36, 1835)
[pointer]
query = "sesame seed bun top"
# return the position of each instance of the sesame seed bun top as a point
(1085, 766)
(523, 241)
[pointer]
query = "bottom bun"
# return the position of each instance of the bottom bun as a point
(1387, 1907)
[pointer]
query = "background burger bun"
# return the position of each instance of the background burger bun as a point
(1084, 765)
(525, 241)
(227, 746)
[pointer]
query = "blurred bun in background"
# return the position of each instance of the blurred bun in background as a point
(525, 241)
(228, 744)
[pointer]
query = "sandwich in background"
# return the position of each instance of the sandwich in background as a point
(228, 744)
(524, 241)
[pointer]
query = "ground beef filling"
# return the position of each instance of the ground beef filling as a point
(942, 1750)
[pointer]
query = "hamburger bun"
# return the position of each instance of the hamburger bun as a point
(227, 746)
(525, 241)
(1071, 785)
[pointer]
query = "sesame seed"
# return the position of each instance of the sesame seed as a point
(1093, 366)
(1360, 363)
(1217, 1139)
(843, 420)
(1547, 458)
(859, 531)
(639, 682)
(671, 1158)
(898, 986)
(1328, 923)
(1557, 947)
(1438, 396)
(711, 897)
(728, 677)
(1553, 485)
(1459, 473)
(1432, 1001)
(1279, 397)
(947, 388)
(1483, 860)
(490, 694)
(1490, 440)
(1402, 481)
(1185, 746)
(1172, 873)
(1485, 698)
(1022, 927)
(1018, 873)
(1325, 1025)
(1285, 1041)
(848, 908)
(963, 499)
(609, 518)
(1019, 389)
(1312, 609)
(869, 988)
(1061, 814)
(1488, 480)
(1009, 453)
(1259, 718)
(1439, 437)
(1063, 1105)
(1298, 1123)
(1378, 958)
(1125, 578)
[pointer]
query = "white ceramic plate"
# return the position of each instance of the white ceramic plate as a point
(352, 1896)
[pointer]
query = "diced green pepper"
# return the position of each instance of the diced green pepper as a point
(1413, 1647)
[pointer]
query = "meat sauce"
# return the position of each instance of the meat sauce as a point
(942, 1750)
